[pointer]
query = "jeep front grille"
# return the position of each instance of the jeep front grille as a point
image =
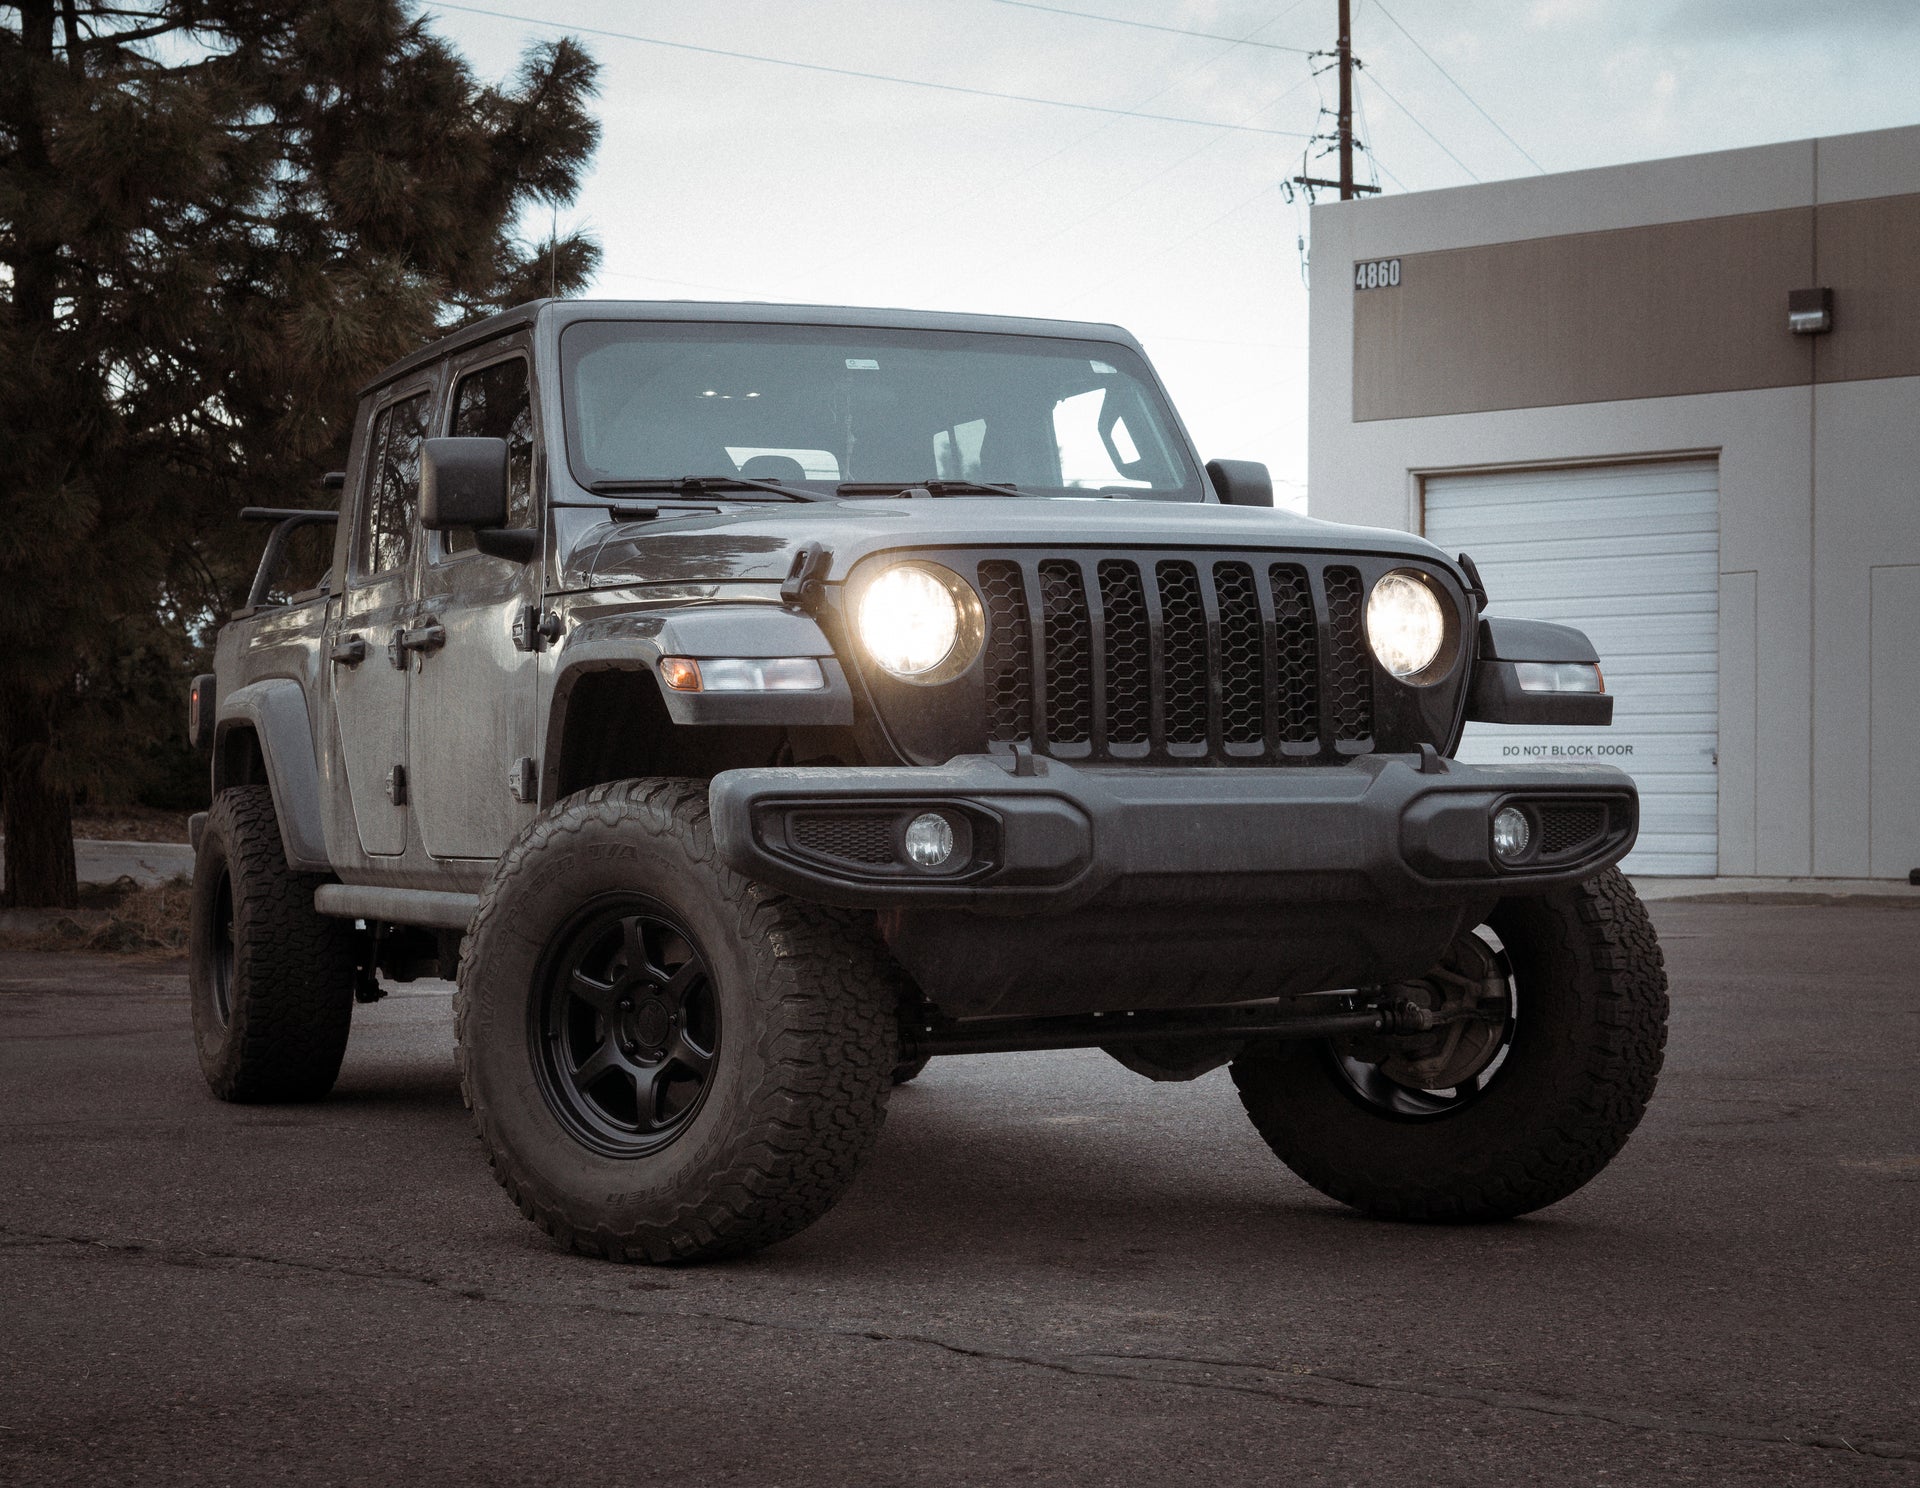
(1176, 658)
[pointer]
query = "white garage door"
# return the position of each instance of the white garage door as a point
(1631, 555)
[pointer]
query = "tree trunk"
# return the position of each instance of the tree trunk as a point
(38, 816)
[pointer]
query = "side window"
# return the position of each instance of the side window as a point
(493, 403)
(385, 540)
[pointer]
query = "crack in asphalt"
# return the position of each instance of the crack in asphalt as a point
(1307, 1385)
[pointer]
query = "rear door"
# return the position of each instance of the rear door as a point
(472, 706)
(370, 670)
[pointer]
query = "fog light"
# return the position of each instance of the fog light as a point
(930, 839)
(1511, 834)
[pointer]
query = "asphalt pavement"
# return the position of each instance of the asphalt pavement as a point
(1053, 1272)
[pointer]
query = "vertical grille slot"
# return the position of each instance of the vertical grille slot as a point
(1349, 668)
(1067, 646)
(1296, 655)
(1243, 680)
(1183, 650)
(1129, 677)
(1009, 651)
(1214, 657)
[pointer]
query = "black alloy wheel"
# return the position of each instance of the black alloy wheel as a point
(1421, 1076)
(626, 1027)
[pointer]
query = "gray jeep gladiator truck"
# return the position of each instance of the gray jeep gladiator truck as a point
(748, 703)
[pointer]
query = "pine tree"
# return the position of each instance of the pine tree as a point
(217, 219)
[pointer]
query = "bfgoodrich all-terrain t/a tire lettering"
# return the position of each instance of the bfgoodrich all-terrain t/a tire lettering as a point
(1591, 1001)
(269, 978)
(797, 1042)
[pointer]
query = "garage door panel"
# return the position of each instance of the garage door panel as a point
(1630, 555)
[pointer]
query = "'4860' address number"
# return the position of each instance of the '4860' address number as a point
(1380, 273)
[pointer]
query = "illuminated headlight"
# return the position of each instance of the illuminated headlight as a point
(919, 622)
(1406, 623)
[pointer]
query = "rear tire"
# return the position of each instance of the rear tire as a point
(270, 979)
(1590, 998)
(664, 1060)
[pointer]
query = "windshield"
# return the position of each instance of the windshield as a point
(822, 405)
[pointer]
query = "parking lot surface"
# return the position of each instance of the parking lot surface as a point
(1053, 1272)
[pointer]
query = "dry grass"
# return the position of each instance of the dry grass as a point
(150, 921)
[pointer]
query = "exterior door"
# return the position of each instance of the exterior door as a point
(473, 701)
(1631, 555)
(370, 670)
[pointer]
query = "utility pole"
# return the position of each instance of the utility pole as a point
(1343, 120)
(1343, 49)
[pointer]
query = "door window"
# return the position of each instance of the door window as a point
(495, 403)
(392, 503)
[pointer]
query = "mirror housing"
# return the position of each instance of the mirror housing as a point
(463, 483)
(1241, 482)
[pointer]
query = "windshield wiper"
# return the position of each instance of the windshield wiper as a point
(931, 487)
(699, 485)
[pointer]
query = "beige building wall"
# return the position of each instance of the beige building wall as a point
(1818, 439)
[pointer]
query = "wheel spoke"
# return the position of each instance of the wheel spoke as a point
(682, 980)
(648, 1085)
(633, 937)
(596, 1064)
(602, 996)
(689, 1055)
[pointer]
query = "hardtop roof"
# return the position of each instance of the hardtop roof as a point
(747, 312)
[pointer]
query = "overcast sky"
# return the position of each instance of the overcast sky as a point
(725, 178)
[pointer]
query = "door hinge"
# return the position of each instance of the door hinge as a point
(523, 779)
(397, 784)
(532, 625)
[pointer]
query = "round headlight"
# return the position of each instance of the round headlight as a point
(1406, 625)
(909, 620)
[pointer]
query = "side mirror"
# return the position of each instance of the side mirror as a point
(1241, 482)
(463, 483)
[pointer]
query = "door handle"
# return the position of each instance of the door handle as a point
(430, 635)
(348, 651)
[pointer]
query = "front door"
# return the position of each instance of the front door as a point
(472, 708)
(370, 669)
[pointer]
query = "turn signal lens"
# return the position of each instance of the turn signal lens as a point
(1558, 676)
(681, 673)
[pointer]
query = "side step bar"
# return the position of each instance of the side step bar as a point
(436, 909)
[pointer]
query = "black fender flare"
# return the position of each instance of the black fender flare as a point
(275, 711)
(635, 641)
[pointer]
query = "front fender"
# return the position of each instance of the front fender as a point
(632, 641)
(276, 711)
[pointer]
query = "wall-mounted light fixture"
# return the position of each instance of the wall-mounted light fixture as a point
(1809, 311)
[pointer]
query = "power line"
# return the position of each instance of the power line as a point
(1457, 88)
(848, 72)
(1085, 15)
(1007, 178)
(1418, 125)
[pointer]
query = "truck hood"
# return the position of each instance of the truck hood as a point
(757, 544)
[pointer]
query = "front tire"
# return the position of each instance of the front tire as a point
(1547, 1109)
(270, 979)
(664, 1060)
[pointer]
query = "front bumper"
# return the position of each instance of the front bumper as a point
(1386, 830)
